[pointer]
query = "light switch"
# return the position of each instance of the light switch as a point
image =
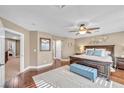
(34, 50)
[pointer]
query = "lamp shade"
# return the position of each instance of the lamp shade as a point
(81, 48)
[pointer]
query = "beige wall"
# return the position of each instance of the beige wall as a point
(46, 57)
(1, 24)
(68, 46)
(38, 57)
(116, 39)
(12, 26)
(33, 48)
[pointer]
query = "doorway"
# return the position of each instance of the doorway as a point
(12, 55)
(57, 49)
(3, 54)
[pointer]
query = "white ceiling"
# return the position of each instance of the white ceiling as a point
(57, 21)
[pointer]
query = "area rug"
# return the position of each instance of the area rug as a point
(63, 78)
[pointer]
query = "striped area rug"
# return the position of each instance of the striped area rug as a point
(99, 81)
(63, 78)
(40, 84)
(103, 82)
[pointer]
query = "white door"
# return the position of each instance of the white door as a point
(58, 49)
(2, 57)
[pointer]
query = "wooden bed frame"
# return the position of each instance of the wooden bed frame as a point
(103, 67)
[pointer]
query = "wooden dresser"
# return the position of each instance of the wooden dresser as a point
(120, 62)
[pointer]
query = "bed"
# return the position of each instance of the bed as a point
(103, 64)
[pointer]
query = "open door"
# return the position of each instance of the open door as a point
(2, 57)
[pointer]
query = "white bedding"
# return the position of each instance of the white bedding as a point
(96, 58)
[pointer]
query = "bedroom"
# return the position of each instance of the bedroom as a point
(62, 35)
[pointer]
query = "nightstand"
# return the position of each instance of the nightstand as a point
(119, 63)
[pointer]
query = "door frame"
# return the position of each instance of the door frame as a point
(2, 57)
(21, 47)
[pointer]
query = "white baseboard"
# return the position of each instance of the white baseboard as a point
(35, 67)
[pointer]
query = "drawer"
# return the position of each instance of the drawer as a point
(120, 63)
(122, 60)
(120, 67)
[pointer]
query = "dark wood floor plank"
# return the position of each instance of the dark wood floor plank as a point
(25, 79)
(118, 76)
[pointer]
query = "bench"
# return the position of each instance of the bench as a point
(88, 72)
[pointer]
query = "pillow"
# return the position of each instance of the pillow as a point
(89, 51)
(100, 52)
(108, 53)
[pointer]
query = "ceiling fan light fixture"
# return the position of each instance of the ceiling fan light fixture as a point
(82, 28)
(82, 32)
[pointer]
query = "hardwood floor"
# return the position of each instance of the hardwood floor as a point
(24, 80)
(12, 67)
(118, 76)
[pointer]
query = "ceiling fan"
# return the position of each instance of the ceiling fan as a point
(82, 29)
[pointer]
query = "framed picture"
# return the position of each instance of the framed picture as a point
(45, 44)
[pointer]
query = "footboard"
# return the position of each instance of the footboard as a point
(103, 67)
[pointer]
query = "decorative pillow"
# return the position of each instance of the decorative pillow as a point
(90, 51)
(108, 53)
(100, 52)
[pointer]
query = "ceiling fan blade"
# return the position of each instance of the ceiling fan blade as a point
(89, 32)
(73, 31)
(77, 34)
(82, 25)
(93, 28)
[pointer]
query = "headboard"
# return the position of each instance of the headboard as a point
(107, 47)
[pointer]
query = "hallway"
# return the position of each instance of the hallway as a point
(12, 67)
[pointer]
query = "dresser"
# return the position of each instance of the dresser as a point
(120, 63)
